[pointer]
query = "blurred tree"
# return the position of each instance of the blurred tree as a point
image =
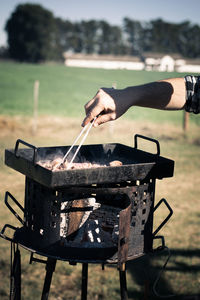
(134, 32)
(64, 36)
(35, 35)
(31, 33)
(193, 42)
(164, 36)
(189, 40)
(184, 33)
(110, 39)
(183, 38)
(4, 54)
(117, 45)
(146, 37)
(89, 33)
(77, 38)
(104, 37)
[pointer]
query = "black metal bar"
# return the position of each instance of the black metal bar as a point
(28, 145)
(87, 191)
(7, 194)
(50, 268)
(84, 281)
(15, 274)
(162, 246)
(32, 258)
(148, 139)
(168, 216)
(2, 234)
(123, 285)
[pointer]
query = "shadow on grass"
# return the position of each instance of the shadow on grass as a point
(183, 266)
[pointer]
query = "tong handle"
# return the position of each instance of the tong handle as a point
(28, 145)
(81, 143)
(88, 127)
(146, 138)
(76, 139)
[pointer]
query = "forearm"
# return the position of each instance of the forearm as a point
(168, 94)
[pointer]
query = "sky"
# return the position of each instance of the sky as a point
(112, 11)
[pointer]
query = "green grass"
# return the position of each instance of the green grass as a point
(63, 90)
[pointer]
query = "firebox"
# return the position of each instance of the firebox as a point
(94, 215)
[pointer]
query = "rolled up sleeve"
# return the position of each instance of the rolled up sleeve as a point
(192, 84)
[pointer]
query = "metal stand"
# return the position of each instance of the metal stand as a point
(123, 285)
(84, 281)
(15, 273)
(50, 268)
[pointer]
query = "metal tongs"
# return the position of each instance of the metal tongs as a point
(88, 127)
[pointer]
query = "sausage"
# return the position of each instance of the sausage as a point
(115, 163)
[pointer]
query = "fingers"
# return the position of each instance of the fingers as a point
(103, 119)
(101, 106)
(92, 111)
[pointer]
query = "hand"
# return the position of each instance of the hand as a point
(107, 105)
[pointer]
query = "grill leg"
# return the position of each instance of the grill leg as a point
(50, 268)
(123, 285)
(84, 281)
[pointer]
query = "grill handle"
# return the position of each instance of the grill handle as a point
(28, 145)
(148, 139)
(4, 236)
(159, 237)
(9, 195)
(168, 216)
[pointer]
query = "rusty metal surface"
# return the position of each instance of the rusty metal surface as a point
(98, 223)
(124, 233)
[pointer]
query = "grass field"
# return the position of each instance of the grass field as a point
(63, 91)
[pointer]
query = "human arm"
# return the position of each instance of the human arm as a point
(109, 104)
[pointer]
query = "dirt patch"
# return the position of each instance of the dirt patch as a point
(60, 129)
(13, 125)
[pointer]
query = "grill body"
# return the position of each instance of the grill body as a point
(90, 215)
(101, 215)
(100, 223)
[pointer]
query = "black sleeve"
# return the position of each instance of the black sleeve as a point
(192, 84)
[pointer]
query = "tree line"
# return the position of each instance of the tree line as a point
(35, 35)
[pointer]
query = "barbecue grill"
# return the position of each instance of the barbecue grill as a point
(97, 215)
